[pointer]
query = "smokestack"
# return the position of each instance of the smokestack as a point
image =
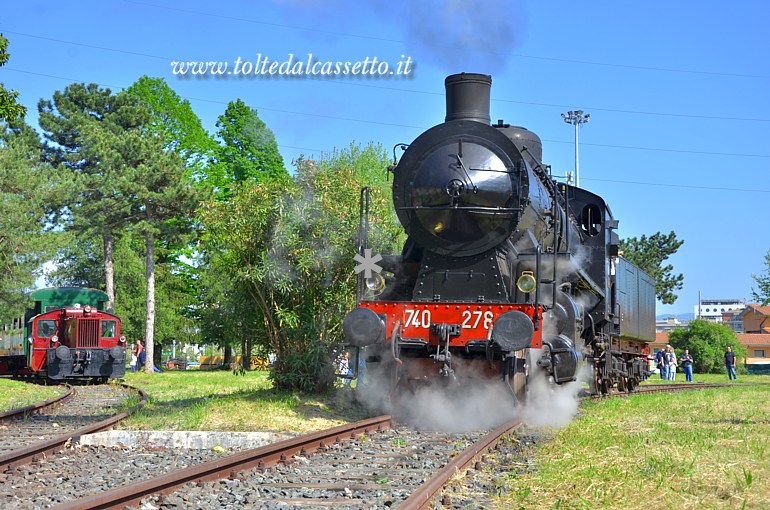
(467, 97)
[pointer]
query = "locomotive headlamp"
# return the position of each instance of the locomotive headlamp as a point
(363, 327)
(513, 331)
(526, 282)
(87, 309)
(376, 283)
(54, 339)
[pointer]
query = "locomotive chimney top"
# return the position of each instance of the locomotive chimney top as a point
(467, 97)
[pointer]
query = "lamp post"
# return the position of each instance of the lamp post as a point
(576, 118)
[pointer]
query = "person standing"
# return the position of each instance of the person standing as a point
(344, 368)
(687, 362)
(659, 363)
(730, 364)
(141, 354)
(671, 361)
(134, 359)
(664, 361)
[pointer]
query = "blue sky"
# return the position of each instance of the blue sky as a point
(677, 91)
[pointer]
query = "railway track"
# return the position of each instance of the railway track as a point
(23, 412)
(671, 387)
(369, 464)
(31, 433)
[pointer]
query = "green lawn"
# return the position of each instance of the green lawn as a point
(220, 400)
(693, 449)
(15, 394)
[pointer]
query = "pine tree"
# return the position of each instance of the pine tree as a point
(25, 181)
(93, 204)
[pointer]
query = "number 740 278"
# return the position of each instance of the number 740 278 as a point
(471, 319)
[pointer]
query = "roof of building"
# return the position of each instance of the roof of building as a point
(754, 339)
(749, 339)
(757, 309)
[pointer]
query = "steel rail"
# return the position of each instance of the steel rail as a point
(27, 410)
(263, 457)
(671, 387)
(35, 451)
(422, 498)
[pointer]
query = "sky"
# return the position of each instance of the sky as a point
(679, 134)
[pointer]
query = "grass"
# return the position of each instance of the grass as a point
(219, 400)
(15, 394)
(699, 449)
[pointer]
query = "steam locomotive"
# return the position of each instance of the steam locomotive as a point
(64, 336)
(506, 273)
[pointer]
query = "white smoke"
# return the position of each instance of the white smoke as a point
(552, 404)
(474, 403)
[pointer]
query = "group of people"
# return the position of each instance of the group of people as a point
(138, 356)
(667, 362)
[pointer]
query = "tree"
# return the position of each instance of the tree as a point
(763, 282)
(248, 150)
(174, 119)
(172, 299)
(247, 153)
(79, 263)
(92, 203)
(707, 342)
(181, 133)
(649, 253)
(25, 181)
(160, 201)
(10, 109)
(289, 244)
(164, 199)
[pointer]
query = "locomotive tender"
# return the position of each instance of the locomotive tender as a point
(65, 336)
(505, 272)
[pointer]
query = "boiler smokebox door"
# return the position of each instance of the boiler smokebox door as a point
(457, 188)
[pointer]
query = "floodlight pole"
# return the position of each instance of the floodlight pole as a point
(576, 118)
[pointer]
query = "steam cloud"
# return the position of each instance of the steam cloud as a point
(454, 35)
(477, 403)
(477, 35)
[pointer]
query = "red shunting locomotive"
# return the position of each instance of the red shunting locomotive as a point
(77, 342)
(64, 335)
